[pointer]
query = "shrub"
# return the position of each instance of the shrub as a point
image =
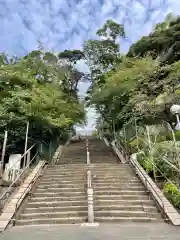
(172, 193)
(145, 162)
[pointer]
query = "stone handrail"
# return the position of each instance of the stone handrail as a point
(167, 208)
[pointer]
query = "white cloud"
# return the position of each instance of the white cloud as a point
(61, 24)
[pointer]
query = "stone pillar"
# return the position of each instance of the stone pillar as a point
(13, 171)
(1, 169)
(88, 158)
(6, 173)
(90, 205)
(28, 158)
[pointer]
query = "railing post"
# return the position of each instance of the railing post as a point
(90, 198)
(90, 205)
(88, 157)
(28, 157)
(3, 152)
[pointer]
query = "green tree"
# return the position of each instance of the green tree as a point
(32, 90)
(163, 42)
(102, 55)
(111, 30)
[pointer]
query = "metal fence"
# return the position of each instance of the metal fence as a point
(19, 175)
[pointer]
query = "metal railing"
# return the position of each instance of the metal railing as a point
(27, 188)
(18, 180)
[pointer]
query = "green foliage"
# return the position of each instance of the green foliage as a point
(71, 55)
(163, 42)
(172, 193)
(116, 98)
(95, 133)
(138, 90)
(111, 30)
(102, 55)
(34, 89)
(170, 137)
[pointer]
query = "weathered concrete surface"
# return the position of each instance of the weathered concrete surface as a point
(10, 209)
(140, 231)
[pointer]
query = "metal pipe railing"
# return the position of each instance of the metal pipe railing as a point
(24, 193)
(25, 154)
(20, 178)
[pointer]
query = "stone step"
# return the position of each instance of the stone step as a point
(70, 220)
(118, 188)
(60, 175)
(80, 171)
(78, 159)
(60, 178)
(113, 177)
(71, 162)
(102, 161)
(58, 194)
(60, 189)
(149, 202)
(63, 184)
(55, 209)
(119, 192)
(102, 166)
(119, 181)
(65, 171)
(119, 197)
(126, 219)
(62, 162)
(116, 170)
(114, 180)
(60, 198)
(77, 183)
(67, 166)
(53, 203)
(117, 184)
(126, 207)
(56, 214)
(81, 156)
(123, 213)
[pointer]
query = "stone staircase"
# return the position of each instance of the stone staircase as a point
(120, 196)
(118, 193)
(60, 195)
(74, 154)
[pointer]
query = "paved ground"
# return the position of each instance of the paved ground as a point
(159, 231)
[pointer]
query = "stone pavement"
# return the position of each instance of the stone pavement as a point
(134, 231)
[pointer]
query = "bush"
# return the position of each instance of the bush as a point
(145, 162)
(169, 136)
(172, 193)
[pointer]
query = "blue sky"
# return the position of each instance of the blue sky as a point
(66, 24)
